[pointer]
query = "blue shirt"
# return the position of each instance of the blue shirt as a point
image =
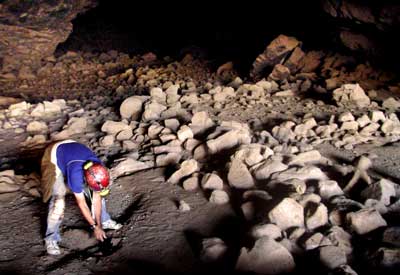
(70, 159)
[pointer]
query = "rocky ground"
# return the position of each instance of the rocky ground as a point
(290, 171)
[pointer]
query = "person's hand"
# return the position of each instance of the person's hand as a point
(100, 234)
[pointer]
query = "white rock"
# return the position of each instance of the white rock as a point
(107, 141)
(183, 206)
(7, 173)
(18, 109)
(314, 241)
(347, 116)
(312, 156)
(316, 216)
(239, 176)
(201, 122)
(391, 104)
(381, 191)
(369, 129)
(266, 230)
(184, 133)
(229, 140)
(113, 127)
(353, 94)
(349, 126)
(172, 94)
(191, 183)
(363, 121)
(152, 111)
(377, 116)
(288, 213)
(303, 173)
(377, 205)
(168, 159)
(213, 250)
(129, 166)
(158, 95)
(35, 127)
(328, 189)
(187, 168)
(387, 127)
(212, 181)
(154, 130)
(266, 169)
(340, 238)
(219, 197)
(332, 256)
(308, 198)
(365, 220)
(266, 257)
(172, 124)
(125, 135)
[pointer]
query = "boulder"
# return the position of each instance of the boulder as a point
(239, 176)
(266, 257)
(187, 168)
(288, 213)
(212, 181)
(365, 220)
(219, 197)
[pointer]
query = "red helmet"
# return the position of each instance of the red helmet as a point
(97, 177)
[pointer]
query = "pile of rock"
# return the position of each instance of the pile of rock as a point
(9, 183)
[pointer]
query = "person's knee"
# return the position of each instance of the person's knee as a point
(58, 207)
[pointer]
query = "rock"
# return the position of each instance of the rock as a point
(303, 173)
(365, 220)
(269, 230)
(7, 173)
(316, 216)
(239, 176)
(328, 189)
(184, 133)
(312, 156)
(158, 95)
(129, 166)
(349, 126)
(276, 51)
(191, 183)
(340, 238)
(36, 127)
(107, 141)
(387, 258)
(154, 131)
(225, 93)
(288, 213)
(18, 109)
(113, 127)
(131, 108)
(172, 94)
(6, 187)
(392, 236)
(369, 129)
(172, 124)
(294, 61)
(377, 116)
(363, 121)
(286, 93)
(388, 127)
(391, 104)
(351, 94)
(219, 197)
(6, 101)
(168, 159)
(267, 168)
(200, 123)
(187, 168)
(345, 270)
(213, 250)
(381, 191)
(314, 241)
(212, 181)
(308, 198)
(332, 256)
(279, 73)
(152, 111)
(347, 116)
(229, 140)
(248, 210)
(76, 125)
(183, 206)
(266, 257)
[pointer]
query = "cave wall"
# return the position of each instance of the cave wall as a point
(31, 30)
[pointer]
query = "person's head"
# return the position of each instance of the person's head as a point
(97, 177)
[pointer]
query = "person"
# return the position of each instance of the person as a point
(88, 179)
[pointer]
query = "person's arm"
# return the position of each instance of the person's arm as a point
(80, 199)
